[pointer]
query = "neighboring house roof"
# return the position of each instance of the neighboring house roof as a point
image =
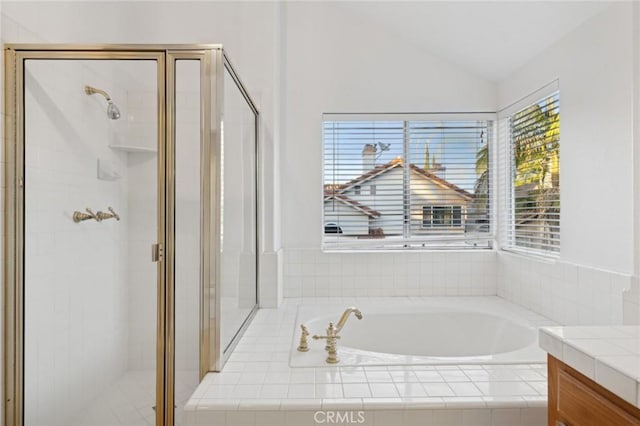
(382, 169)
(351, 203)
(443, 182)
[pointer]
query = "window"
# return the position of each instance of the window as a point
(441, 216)
(534, 141)
(396, 181)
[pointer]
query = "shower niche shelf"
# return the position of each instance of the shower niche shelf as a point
(133, 148)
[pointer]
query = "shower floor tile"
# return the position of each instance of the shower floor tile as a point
(129, 401)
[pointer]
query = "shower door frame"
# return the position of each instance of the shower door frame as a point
(213, 60)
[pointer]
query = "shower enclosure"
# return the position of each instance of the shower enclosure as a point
(131, 232)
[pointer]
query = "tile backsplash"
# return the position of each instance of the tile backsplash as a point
(565, 292)
(313, 273)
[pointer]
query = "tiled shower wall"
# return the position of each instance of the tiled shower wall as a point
(313, 273)
(566, 292)
(75, 273)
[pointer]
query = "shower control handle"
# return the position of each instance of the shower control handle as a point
(103, 215)
(81, 217)
(116, 216)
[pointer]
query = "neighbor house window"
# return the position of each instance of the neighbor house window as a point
(534, 142)
(441, 216)
(428, 179)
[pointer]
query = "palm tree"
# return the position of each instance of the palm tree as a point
(536, 135)
(536, 149)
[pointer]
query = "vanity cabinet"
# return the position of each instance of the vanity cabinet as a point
(576, 400)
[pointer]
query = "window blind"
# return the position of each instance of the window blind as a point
(398, 183)
(534, 143)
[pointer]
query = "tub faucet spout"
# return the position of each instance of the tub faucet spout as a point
(345, 317)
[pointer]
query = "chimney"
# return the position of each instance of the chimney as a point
(368, 157)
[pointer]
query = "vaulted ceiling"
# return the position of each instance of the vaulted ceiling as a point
(489, 38)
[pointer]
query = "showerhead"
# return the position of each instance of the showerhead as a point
(112, 110)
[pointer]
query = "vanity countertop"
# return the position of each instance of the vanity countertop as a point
(608, 355)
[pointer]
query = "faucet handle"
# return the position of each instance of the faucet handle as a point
(331, 337)
(92, 215)
(316, 337)
(303, 346)
(116, 216)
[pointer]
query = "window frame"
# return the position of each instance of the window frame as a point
(508, 237)
(479, 238)
(452, 214)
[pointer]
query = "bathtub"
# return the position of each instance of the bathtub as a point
(432, 331)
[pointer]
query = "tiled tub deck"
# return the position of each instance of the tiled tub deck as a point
(257, 386)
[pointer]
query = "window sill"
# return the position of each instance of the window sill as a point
(530, 255)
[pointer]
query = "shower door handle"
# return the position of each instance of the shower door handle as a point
(156, 252)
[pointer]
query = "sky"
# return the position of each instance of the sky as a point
(452, 144)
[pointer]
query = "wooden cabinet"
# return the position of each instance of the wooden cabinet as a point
(576, 400)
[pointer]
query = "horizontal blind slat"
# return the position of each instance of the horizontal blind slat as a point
(533, 224)
(371, 200)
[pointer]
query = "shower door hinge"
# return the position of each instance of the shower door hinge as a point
(156, 252)
(21, 182)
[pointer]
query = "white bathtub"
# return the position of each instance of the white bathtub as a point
(429, 331)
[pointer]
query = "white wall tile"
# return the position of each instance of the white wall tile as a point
(625, 387)
(299, 418)
(209, 418)
(533, 416)
(580, 295)
(477, 417)
(311, 272)
(579, 360)
(418, 417)
(505, 417)
(447, 417)
(241, 418)
(76, 278)
(388, 417)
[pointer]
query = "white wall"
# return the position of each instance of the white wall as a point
(336, 62)
(594, 65)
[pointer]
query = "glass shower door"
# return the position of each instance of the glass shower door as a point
(190, 235)
(91, 190)
(238, 254)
